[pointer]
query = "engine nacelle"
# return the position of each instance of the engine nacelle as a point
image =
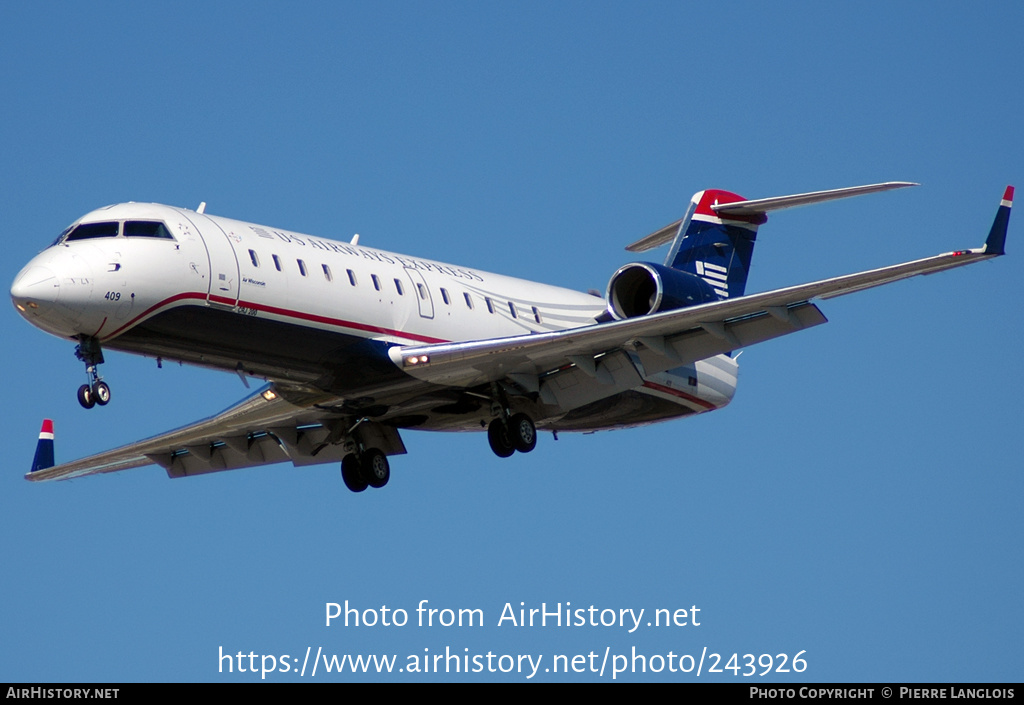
(641, 288)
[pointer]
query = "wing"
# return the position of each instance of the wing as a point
(274, 425)
(667, 339)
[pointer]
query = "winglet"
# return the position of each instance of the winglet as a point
(44, 449)
(997, 235)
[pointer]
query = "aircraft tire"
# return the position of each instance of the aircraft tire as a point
(351, 473)
(101, 393)
(523, 433)
(85, 397)
(500, 439)
(376, 468)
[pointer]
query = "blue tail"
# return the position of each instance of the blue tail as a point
(716, 249)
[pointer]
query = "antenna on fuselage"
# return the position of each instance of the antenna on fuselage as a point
(201, 208)
(354, 240)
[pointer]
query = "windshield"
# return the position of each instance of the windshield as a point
(132, 228)
(145, 228)
(88, 231)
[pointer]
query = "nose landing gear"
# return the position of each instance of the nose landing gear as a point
(96, 391)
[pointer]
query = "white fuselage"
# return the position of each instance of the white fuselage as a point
(313, 311)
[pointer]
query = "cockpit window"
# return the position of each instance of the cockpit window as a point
(145, 228)
(88, 231)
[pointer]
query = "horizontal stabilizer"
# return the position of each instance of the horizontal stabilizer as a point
(763, 205)
(657, 238)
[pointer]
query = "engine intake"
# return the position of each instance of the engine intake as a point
(642, 288)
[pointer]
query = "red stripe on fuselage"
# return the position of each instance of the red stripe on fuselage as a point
(288, 313)
(682, 395)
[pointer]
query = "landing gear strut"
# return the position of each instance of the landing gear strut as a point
(96, 391)
(368, 469)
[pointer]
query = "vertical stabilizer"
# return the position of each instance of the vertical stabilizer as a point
(717, 249)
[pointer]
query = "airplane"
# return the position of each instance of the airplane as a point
(358, 344)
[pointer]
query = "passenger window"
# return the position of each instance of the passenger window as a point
(423, 291)
(398, 286)
(277, 262)
(351, 277)
(444, 295)
(254, 258)
(376, 282)
(302, 267)
(469, 300)
(327, 272)
(139, 228)
(88, 231)
(512, 310)
(536, 314)
(490, 304)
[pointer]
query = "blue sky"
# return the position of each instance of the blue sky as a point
(859, 500)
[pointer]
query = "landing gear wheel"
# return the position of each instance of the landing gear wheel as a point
(101, 393)
(96, 391)
(352, 474)
(85, 397)
(522, 432)
(500, 439)
(376, 468)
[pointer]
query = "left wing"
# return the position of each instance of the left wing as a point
(274, 425)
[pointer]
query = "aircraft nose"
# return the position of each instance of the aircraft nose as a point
(35, 289)
(53, 292)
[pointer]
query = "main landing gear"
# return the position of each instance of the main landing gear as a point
(367, 469)
(508, 436)
(96, 391)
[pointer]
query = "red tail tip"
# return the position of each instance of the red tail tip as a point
(1008, 196)
(47, 426)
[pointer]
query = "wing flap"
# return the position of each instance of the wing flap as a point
(699, 344)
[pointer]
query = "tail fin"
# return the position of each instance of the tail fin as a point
(716, 249)
(44, 449)
(715, 239)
